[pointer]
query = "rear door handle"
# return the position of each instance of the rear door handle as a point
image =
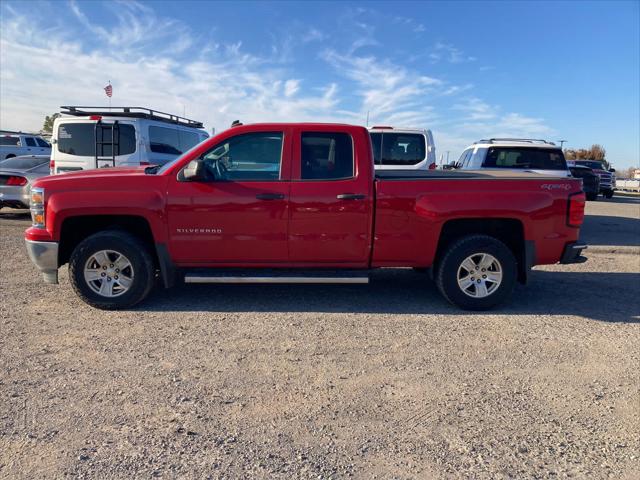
(270, 196)
(351, 196)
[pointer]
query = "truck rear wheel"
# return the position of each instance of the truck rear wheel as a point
(477, 272)
(111, 270)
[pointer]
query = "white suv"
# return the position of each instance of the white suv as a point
(539, 156)
(16, 144)
(94, 137)
(402, 149)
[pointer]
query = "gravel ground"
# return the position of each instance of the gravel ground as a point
(377, 381)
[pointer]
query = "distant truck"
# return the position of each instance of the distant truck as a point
(86, 138)
(298, 203)
(607, 176)
(16, 144)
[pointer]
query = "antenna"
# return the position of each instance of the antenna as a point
(367, 118)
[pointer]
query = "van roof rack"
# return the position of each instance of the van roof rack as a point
(133, 112)
(523, 140)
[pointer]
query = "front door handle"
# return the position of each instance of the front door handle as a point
(270, 196)
(351, 196)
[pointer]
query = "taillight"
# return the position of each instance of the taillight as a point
(575, 211)
(432, 166)
(16, 181)
(145, 163)
(52, 167)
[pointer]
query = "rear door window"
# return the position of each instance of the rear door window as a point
(525, 158)
(463, 161)
(171, 141)
(80, 139)
(187, 140)
(164, 140)
(402, 148)
(326, 156)
(9, 141)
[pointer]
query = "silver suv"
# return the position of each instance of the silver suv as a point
(521, 154)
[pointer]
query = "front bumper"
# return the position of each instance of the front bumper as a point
(45, 256)
(572, 253)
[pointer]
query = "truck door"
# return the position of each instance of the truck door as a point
(331, 202)
(239, 215)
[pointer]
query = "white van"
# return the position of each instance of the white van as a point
(402, 149)
(94, 137)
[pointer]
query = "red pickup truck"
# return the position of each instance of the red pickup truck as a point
(298, 203)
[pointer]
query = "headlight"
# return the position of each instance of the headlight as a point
(37, 207)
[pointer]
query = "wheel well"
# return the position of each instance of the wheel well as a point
(76, 229)
(508, 230)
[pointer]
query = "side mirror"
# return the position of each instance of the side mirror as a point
(612, 170)
(194, 171)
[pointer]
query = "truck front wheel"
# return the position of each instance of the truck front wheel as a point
(111, 270)
(477, 272)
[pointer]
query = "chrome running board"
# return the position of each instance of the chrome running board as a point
(273, 276)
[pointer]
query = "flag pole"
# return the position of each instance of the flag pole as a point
(110, 97)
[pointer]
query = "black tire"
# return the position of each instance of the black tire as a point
(592, 196)
(129, 246)
(455, 255)
(608, 194)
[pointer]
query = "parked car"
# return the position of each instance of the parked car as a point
(16, 176)
(298, 203)
(85, 138)
(590, 180)
(14, 144)
(538, 156)
(607, 177)
(398, 149)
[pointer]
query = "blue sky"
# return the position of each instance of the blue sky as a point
(467, 70)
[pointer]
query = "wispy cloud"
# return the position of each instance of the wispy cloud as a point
(449, 53)
(410, 23)
(136, 27)
(475, 109)
(390, 92)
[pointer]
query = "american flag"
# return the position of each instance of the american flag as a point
(108, 90)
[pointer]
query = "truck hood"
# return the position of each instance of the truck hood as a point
(68, 180)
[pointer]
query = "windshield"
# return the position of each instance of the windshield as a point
(591, 164)
(24, 163)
